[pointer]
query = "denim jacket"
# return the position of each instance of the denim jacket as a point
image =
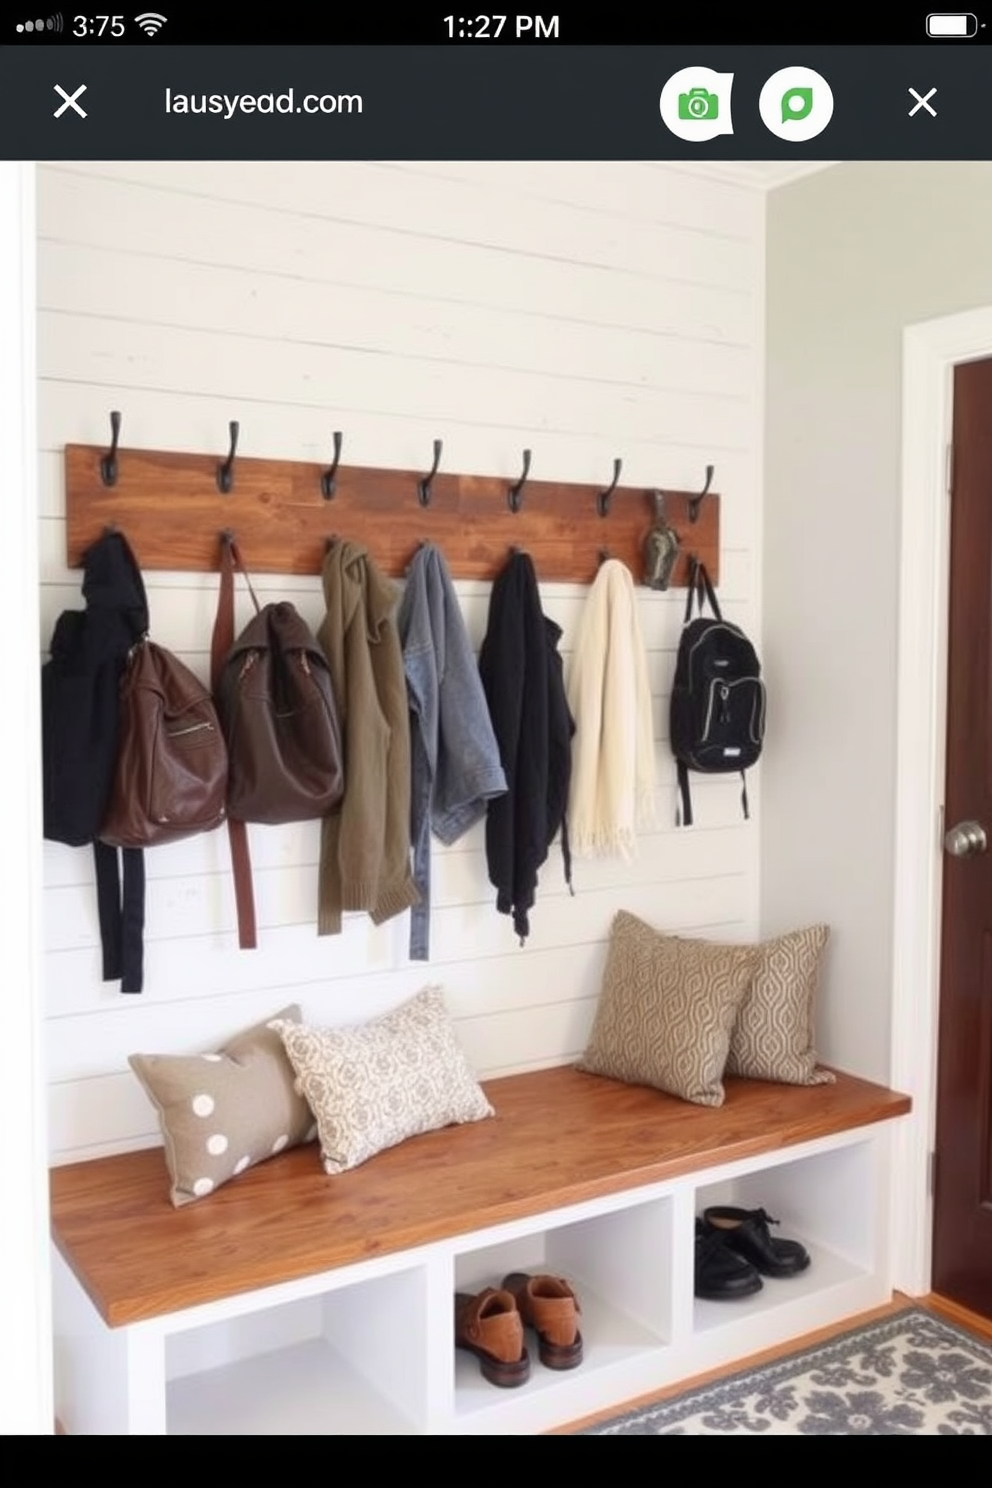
(455, 762)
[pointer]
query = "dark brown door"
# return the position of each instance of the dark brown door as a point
(962, 1235)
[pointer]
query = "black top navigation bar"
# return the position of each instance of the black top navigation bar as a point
(565, 102)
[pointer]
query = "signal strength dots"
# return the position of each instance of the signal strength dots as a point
(150, 22)
(53, 23)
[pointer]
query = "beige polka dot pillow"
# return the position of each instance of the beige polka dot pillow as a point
(222, 1113)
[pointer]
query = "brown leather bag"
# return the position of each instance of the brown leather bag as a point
(280, 720)
(171, 776)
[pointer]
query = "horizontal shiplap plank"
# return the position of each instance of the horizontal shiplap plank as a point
(663, 847)
(182, 617)
(101, 1040)
(632, 192)
(625, 190)
(90, 1114)
(167, 359)
(200, 906)
(412, 218)
(201, 963)
(107, 1113)
(89, 285)
(111, 1111)
(457, 870)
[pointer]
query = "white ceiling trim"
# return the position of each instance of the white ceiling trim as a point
(762, 175)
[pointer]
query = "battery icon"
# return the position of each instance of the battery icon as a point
(946, 25)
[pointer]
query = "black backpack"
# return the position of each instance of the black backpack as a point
(717, 719)
(80, 727)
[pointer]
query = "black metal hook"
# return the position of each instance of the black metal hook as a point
(424, 486)
(696, 501)
(658, 497)
(515, 493)
(603, 499)
(225, 472)
(328, 477)
(108, 465)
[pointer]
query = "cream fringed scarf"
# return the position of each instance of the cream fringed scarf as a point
(613, 755)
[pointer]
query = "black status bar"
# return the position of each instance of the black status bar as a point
(376, 26)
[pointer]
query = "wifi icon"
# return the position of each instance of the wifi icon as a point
(150, 22)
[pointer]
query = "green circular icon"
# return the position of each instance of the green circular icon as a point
(797, 103)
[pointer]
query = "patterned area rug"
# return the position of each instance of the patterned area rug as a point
(911, 1375)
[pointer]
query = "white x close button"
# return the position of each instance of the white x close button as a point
(70, 101)
(922, 102)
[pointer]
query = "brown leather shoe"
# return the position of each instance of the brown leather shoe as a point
(549, 1306)
(489, 1326)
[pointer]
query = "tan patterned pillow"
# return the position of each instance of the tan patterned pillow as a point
(773, 1035)
(666, 1009)
(373, 1086)
(223, 1113)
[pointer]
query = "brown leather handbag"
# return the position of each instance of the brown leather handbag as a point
(171, 775)
(277, 709)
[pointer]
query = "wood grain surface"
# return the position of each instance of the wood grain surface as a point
(559, 1137)
(171, 510)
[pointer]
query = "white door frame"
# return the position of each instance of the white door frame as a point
(25, 1306)
(930, 352)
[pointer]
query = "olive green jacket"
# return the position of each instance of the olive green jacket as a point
(365, 859)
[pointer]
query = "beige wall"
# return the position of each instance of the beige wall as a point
(854, 254)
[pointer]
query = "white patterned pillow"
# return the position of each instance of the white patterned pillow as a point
(773, 1034)
(374, 1085)
(223, 1113)
(666, 1009)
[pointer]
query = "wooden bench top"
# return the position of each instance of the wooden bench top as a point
(559, 1137)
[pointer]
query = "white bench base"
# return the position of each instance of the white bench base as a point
(366, 1348)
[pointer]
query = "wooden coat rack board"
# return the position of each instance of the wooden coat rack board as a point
(171, 508)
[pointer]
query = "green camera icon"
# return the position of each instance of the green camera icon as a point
(699, 104)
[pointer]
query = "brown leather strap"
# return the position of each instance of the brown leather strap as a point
(237, 832)
(244, 894)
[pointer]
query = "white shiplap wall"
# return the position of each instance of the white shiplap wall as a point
(585, 311)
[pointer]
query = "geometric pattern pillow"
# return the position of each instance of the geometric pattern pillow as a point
(666, 1010)
(377, 1084)
(772, 1038)
(223, 1113)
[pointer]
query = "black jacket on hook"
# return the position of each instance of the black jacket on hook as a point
(80, 729)
(522, 675)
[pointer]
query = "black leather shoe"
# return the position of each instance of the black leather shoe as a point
(721, 1274)
(746, 1233)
